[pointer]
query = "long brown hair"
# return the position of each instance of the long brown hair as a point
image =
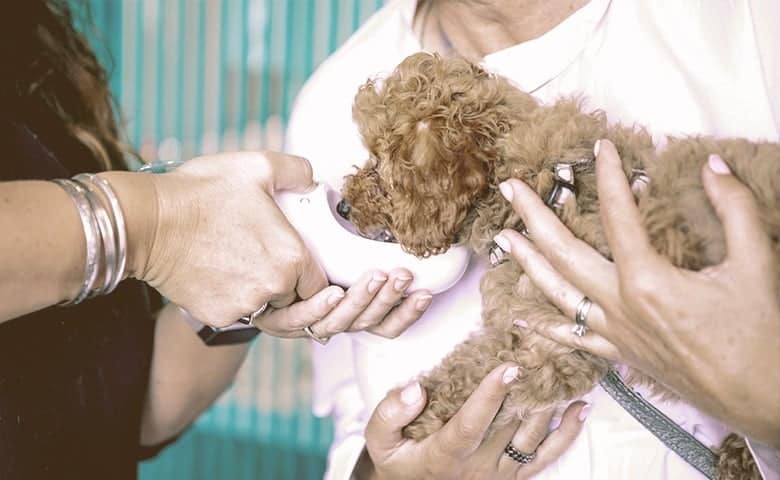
(50, 66)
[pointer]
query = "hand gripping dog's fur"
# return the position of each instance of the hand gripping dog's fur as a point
(442, 134)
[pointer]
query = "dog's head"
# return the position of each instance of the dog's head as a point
(431, 129)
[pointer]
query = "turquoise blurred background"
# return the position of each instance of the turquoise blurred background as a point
(199, 76)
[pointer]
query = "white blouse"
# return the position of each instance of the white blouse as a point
(691, 67)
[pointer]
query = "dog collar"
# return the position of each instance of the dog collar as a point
(564, 187)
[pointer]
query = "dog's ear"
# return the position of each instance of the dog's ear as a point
(433, 191)
(372, 117)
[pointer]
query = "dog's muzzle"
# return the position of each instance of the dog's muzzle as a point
(381, 235)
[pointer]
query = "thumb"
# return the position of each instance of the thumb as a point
(397, 410)
(290, 172)
(737, 209)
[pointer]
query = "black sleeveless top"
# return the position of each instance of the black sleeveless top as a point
(73, 380)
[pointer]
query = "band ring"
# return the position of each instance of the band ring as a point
(250, 319)
(581, 316)
(518, 456)
(308, 331)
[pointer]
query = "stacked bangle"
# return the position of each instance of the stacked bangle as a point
(104, 231)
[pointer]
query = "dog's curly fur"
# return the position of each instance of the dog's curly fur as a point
(442, 133)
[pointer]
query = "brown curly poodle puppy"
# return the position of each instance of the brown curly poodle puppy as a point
(442, 134)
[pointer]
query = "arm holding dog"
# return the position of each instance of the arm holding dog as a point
(460, 449)
(712, 336)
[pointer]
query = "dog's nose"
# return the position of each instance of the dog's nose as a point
(343, 209)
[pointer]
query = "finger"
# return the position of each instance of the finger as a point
(591, 342)
(357, 298)
(394, 412)
(558, 440)
(557, 289)
(527, 437)
(532, 431)
(312, 278)
(290, 172)
(465, 431)
(386, 298)
(404, 315)
(620, 217)
(576, 261)
(737, 209)
(282, 300)
(290, 321)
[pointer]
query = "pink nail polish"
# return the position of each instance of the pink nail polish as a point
(596, 148)
(584, 412)
(401, 283)
(521, 323)
(510, 374)
(503, 242)
(411, 394)
(555, 422)
(717, 165)
(334, 298)
(423, 302)
(506, 191)
(376, 283)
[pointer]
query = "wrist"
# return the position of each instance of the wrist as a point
(364, 470)
(138, 199)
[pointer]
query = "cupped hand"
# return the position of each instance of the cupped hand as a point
(459, 450)
(713, 336)
(378, 303)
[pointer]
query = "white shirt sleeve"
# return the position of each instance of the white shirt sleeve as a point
(765, 16)
(767, 459)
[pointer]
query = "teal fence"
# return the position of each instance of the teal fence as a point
(199, 76)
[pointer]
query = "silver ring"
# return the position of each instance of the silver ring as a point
(496, 255)
(250, 319)
(583, 308)
(314, 336)
(518, 456)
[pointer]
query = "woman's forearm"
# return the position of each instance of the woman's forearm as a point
(186, 377)
(43, 246)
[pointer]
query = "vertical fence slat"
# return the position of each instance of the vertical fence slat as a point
(160, 73)
(181, 54)
(138, 120)
(200, 94)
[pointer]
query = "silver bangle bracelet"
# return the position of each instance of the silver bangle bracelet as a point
(79, 196)
(121, 230)
(106, 229)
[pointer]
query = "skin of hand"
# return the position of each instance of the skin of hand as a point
(712, 336)
(459, 450)
(210, 237)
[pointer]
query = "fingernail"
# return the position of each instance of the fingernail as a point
(584, 412)
(717, 165)
(411, 394)
(503, 242)
(596, 148)
(335, 297)
(401, 283)
(506, 191)
(521, 323)
(376, 282)
(510, 374)
(555, 422)
(423, 302)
